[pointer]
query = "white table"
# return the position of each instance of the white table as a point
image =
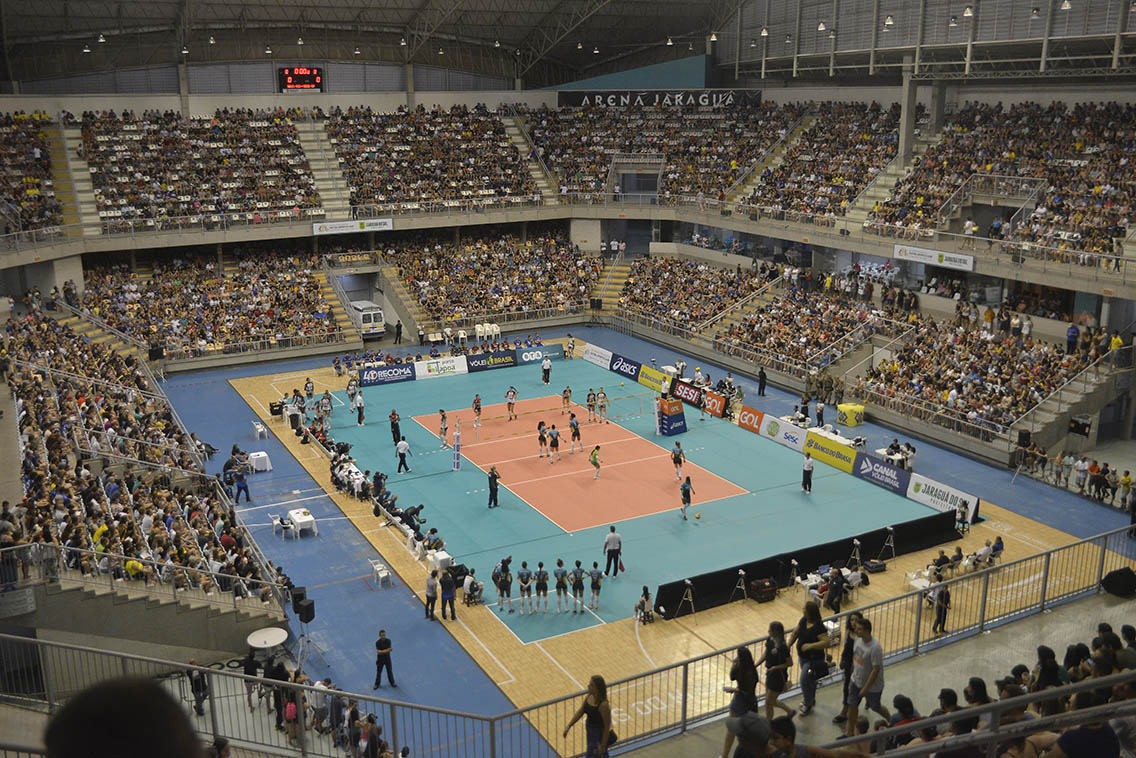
(833, 436)
(670, 370)
(793, 421)
(441, 560)
(896, 459)
(302, 519)
(260, 461)
(267, 638)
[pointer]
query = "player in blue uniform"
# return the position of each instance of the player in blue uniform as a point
(597, 580)
(553, 444)
(574, 426)
(578, 575)
(678, 457)
(524, 578)
(541, 588)
(542, 438)
(561, 575)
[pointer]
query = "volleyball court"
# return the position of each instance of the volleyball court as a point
(636, 476)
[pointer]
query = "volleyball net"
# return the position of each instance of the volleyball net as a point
(550, 409)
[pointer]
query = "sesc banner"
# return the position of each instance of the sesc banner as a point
(835, 454)
(654, 379)
(625, 367)
(783, 433)
(537, 354)
(597, 355)
(882, 473)
(940, 496)
(486, 361)
(750, 418)
(371, 377)
(451, 366)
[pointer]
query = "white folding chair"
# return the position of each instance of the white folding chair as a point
(379, 573)
(276, 522)
(479, 330)
(462, 337)
(496, 330)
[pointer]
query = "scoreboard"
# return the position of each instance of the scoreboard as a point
(296, 78)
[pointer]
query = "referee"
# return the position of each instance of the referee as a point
(493, 478)
(613, 547)
(807, 474)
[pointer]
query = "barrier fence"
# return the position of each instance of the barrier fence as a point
(663, 701)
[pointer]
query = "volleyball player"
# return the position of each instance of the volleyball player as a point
(476, 411)
(553, 444)
(511, 399)
(541, 588)
(565, 400)
(561, 575)
(443, 427)
(542, 438)
(678, 457)
(597, 580)
(591, 402)
(524, 578)
(574, 427)
(686, 490)
(309, 389)
(601, 405)
(504, 589)
(352, 388)
(595, 460)
(325, 407)
(578, 588)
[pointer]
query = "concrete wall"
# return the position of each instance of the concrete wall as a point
(956, 94)
(586, 233)
(714, 257)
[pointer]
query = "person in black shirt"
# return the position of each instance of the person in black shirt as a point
(777, 660)
(744, 672)
(493, 479)
(383, 647)
(811, 639)
(761, 379)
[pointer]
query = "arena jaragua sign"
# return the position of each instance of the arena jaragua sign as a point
(650, 98)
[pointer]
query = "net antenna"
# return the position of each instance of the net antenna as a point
(457, 444)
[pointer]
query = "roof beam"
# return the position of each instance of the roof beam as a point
(547, 40)
(427, 21)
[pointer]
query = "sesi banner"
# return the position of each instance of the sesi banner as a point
(687, 393)
(750, 418)
(597, 355)
(882, 473)
(625, 367)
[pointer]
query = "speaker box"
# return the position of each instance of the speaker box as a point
(1080, 425)
(298, 596)
(307, 611)
(1023, 437)
(294, 420)
(157, 353)
(276, 409)
(1121, 582)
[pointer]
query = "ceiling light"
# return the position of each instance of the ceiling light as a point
(441, 51)
(889, 20)
(670, 42)
(212, 40)
(832, 34)
(821, 27)
(713, 37)
(496, 43)
(764, 32)
(300, 41)
(268, 49)
(579, 45)
(358, 51)
(968, 11)
(953, 22)
(1035, 14)
(1066, 5)
(788, 39)
(753, 43)
(595, 51)
(102, 39)
(184, 50)
(86, 48)
(689, 47)
(402, 42)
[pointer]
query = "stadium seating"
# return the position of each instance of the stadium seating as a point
(26, 182)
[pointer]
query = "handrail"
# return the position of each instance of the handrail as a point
(905, 331)
(744, 176)
(521, 123)
(875, 179)
(49, 371)
(741, 303)
(315, 128)
(344, 301)
(86, 315)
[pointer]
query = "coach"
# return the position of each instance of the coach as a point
(613, 546)
(546, 369)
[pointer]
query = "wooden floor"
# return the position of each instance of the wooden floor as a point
(533, 673)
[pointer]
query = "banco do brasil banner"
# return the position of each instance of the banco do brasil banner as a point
(651, 98)
(654, 379)
(835, 454)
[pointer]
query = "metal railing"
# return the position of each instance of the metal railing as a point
(86, 315)
(344, 301)
(263, 345)
(763, 290)
(570, 308)
(739, 183)
(662, 701)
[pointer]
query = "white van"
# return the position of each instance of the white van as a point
(369, 318)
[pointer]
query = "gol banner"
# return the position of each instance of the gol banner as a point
(750, 419)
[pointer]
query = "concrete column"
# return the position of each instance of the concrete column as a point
(907, 114)
(585, 233)
(370, 240)
(938, 106)
(183, 88)
(1129, 414)
(220, 256)
(524, 231)
(133, 261)
(518, 84)
(1106, 310)
(410, 99)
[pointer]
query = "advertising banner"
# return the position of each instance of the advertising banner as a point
(934, 257)
(438, 367)
(940, 496)
(882, 473)
(703, 98)
(536, 354)
(370, 377)
(654, 379)
(750, 419)
(835, 454)
(687, 393)
(345, 227)
(715, 403)
(783, 433)
(486, 361)
(597, 355)
(625, 367)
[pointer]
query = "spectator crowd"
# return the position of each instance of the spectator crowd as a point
(26, 186)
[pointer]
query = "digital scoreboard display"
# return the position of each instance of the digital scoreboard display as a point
(294, 78)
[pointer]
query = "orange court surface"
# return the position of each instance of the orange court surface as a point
(564, 492)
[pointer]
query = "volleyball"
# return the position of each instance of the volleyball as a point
(621, 384)
(698, 515)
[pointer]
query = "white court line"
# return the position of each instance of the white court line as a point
(257, 401)
(488, 652)
(282, 502)
(642, 649)
(588, 471)
(573, 679)
(528, 457)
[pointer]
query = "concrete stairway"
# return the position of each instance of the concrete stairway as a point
(96, 334)
(773, 158)
(515, 129)
(1049, 423)
(334, 192)
(411, 304)
(81, 182)
(62, 181)
(338, 307)
(881, 189)
(611, 286)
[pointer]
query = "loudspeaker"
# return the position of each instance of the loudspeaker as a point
(276, 409)
(157, 353)
(1080, 425)
(298, 596)
(307, 611)
(1121, 582)
(294, 420)
(1023, 438)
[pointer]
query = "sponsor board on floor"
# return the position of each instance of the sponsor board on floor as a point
(783, 433)
(487, 361)
(750, 418)
(654, 379)
(835, 454)
(538, 354)
(376, 375)
(625, 367)
(940, 496)
(597, 355)
(882, 473)
(440, 367)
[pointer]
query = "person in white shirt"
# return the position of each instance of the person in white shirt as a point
(359, 404)
(698, 375)
(403, 450)
(546, 370)
(680, 367)
(807, 474)
(471, 589)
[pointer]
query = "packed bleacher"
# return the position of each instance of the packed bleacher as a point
(461, 156)
(653, 284)
(496, 273)
(192, 306)
(824, 172)
(1080, 153)
(142, 515)
(161, 170)
(705, 149)
(26, 187)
